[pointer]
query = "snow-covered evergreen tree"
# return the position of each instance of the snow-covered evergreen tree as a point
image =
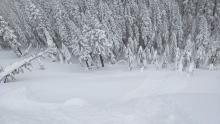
(177, 25)
(141, 58)
(178, 60)
(173, 47)
(99, 44)
(148, 55)
(130, 58)
(9, 39)
(165, 57)
(202, 41)
(188, 53)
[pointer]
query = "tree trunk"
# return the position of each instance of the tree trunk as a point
(5, 80)
(215, 8)
(102, 61)
(87, 64)
(19, 51)
(141, 40)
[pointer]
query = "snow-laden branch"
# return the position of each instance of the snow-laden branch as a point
(18, 67)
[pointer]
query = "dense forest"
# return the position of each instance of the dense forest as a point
(181, 34)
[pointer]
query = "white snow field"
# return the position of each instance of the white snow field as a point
(67, 94)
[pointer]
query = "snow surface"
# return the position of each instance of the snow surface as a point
(68, 94)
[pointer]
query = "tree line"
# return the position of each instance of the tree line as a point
(182, 34)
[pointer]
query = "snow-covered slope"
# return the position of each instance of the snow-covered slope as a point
(67, 94)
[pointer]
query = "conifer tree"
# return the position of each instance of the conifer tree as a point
(9, 39)
(202, 40)
(130, 57)
(142, 60)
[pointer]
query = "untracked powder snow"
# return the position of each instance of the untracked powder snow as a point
(68, 94)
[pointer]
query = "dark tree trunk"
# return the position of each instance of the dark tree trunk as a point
(204, 8)
(87, 64)
(127, 33)
(5, 80)
(141, 40)
(102, 61)
(215, 8)
(214, 12)
(19, 51)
